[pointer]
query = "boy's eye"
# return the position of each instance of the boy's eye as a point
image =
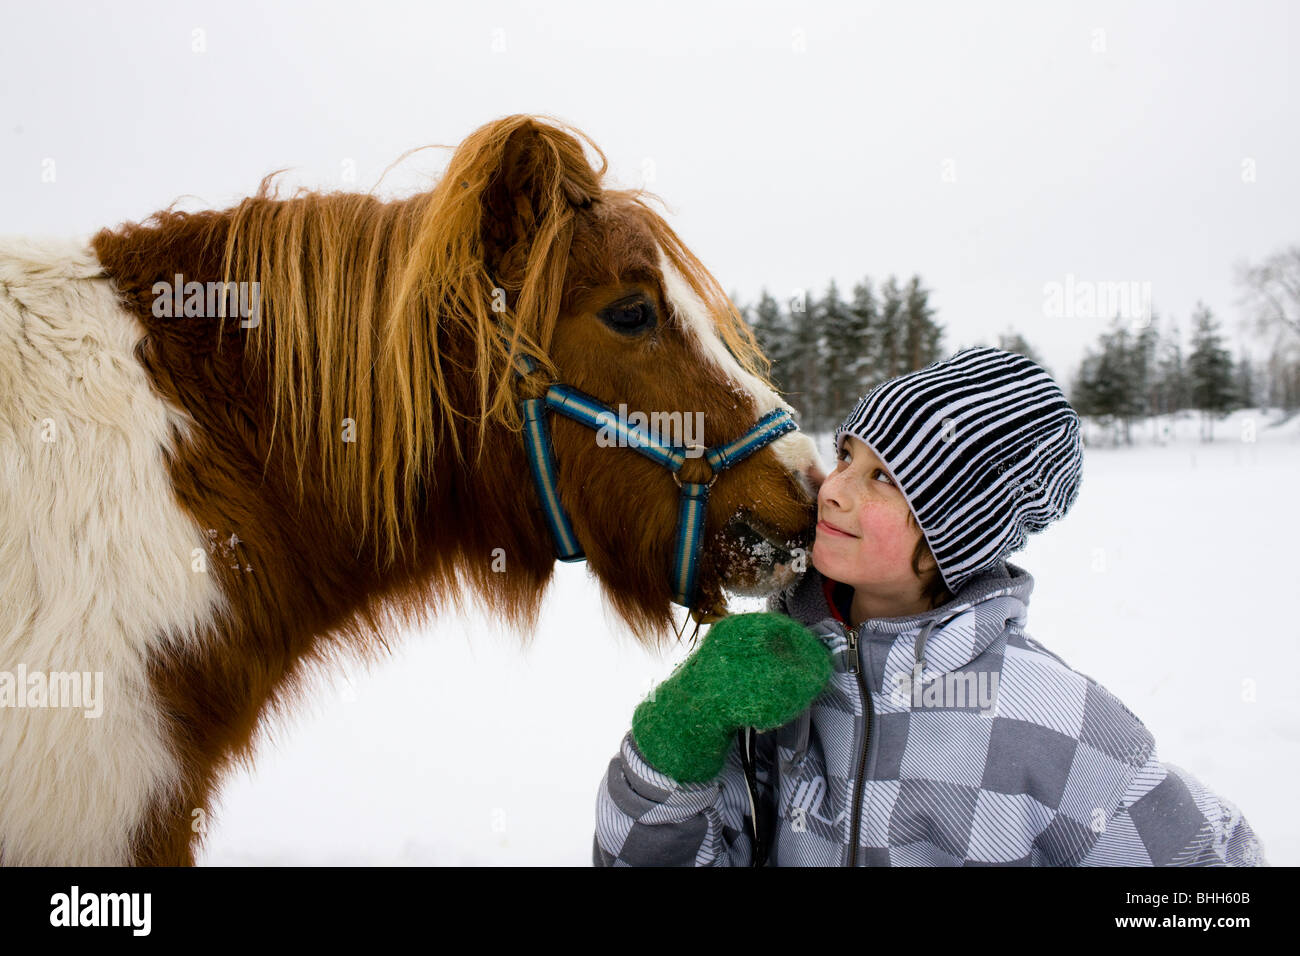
(877, 474)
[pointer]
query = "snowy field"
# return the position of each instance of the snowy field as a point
(1171, 582)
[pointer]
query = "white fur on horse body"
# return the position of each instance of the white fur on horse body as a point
(96, 558)
(794, 450)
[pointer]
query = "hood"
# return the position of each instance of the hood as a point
(942, 639)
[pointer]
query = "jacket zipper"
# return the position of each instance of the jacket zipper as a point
(866, 737)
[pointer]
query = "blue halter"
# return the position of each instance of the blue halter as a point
(582, 408)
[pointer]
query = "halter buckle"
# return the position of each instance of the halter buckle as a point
(677, 474)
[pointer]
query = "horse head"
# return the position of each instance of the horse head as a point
(597, 291)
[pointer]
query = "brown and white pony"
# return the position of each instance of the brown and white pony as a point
(202, 510)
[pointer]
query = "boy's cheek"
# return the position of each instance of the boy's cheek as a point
(883, 535)
(879, 527)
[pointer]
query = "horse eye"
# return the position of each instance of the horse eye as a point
(629, 318)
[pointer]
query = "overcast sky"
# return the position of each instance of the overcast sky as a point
(991, 148)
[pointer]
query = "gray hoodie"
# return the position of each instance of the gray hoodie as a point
(949, 738)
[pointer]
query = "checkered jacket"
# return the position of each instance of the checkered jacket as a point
(975, 746)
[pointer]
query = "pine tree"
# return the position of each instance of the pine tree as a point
(1167, 394)
(844, 350)
(865, 328)
(923, 337)
(827, 354)
(1013, 341)
(1112, 380)
(806, 360)
(772, 330)
(1245, 383)
(1144, 359)
(1171, 375)
(1209, 371)
(889, 343)
(1093, 392)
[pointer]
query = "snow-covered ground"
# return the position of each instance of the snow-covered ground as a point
(1171, 582)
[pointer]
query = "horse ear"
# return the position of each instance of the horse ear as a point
(540, 167)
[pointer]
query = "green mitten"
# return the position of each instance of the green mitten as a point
(757, 670)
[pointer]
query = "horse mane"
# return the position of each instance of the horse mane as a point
(365, 304)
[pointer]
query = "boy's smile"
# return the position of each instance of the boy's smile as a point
(834, 531)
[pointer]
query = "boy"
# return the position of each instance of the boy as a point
(945, 735)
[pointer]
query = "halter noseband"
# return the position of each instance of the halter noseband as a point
(582, 408)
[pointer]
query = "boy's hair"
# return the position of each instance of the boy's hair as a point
(935, 591)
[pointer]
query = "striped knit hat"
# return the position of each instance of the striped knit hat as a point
(985, 449)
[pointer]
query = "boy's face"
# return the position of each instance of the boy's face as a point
(859, 497)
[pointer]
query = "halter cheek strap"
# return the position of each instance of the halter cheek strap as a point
(582, 408)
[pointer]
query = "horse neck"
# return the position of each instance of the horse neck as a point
(247, 486)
